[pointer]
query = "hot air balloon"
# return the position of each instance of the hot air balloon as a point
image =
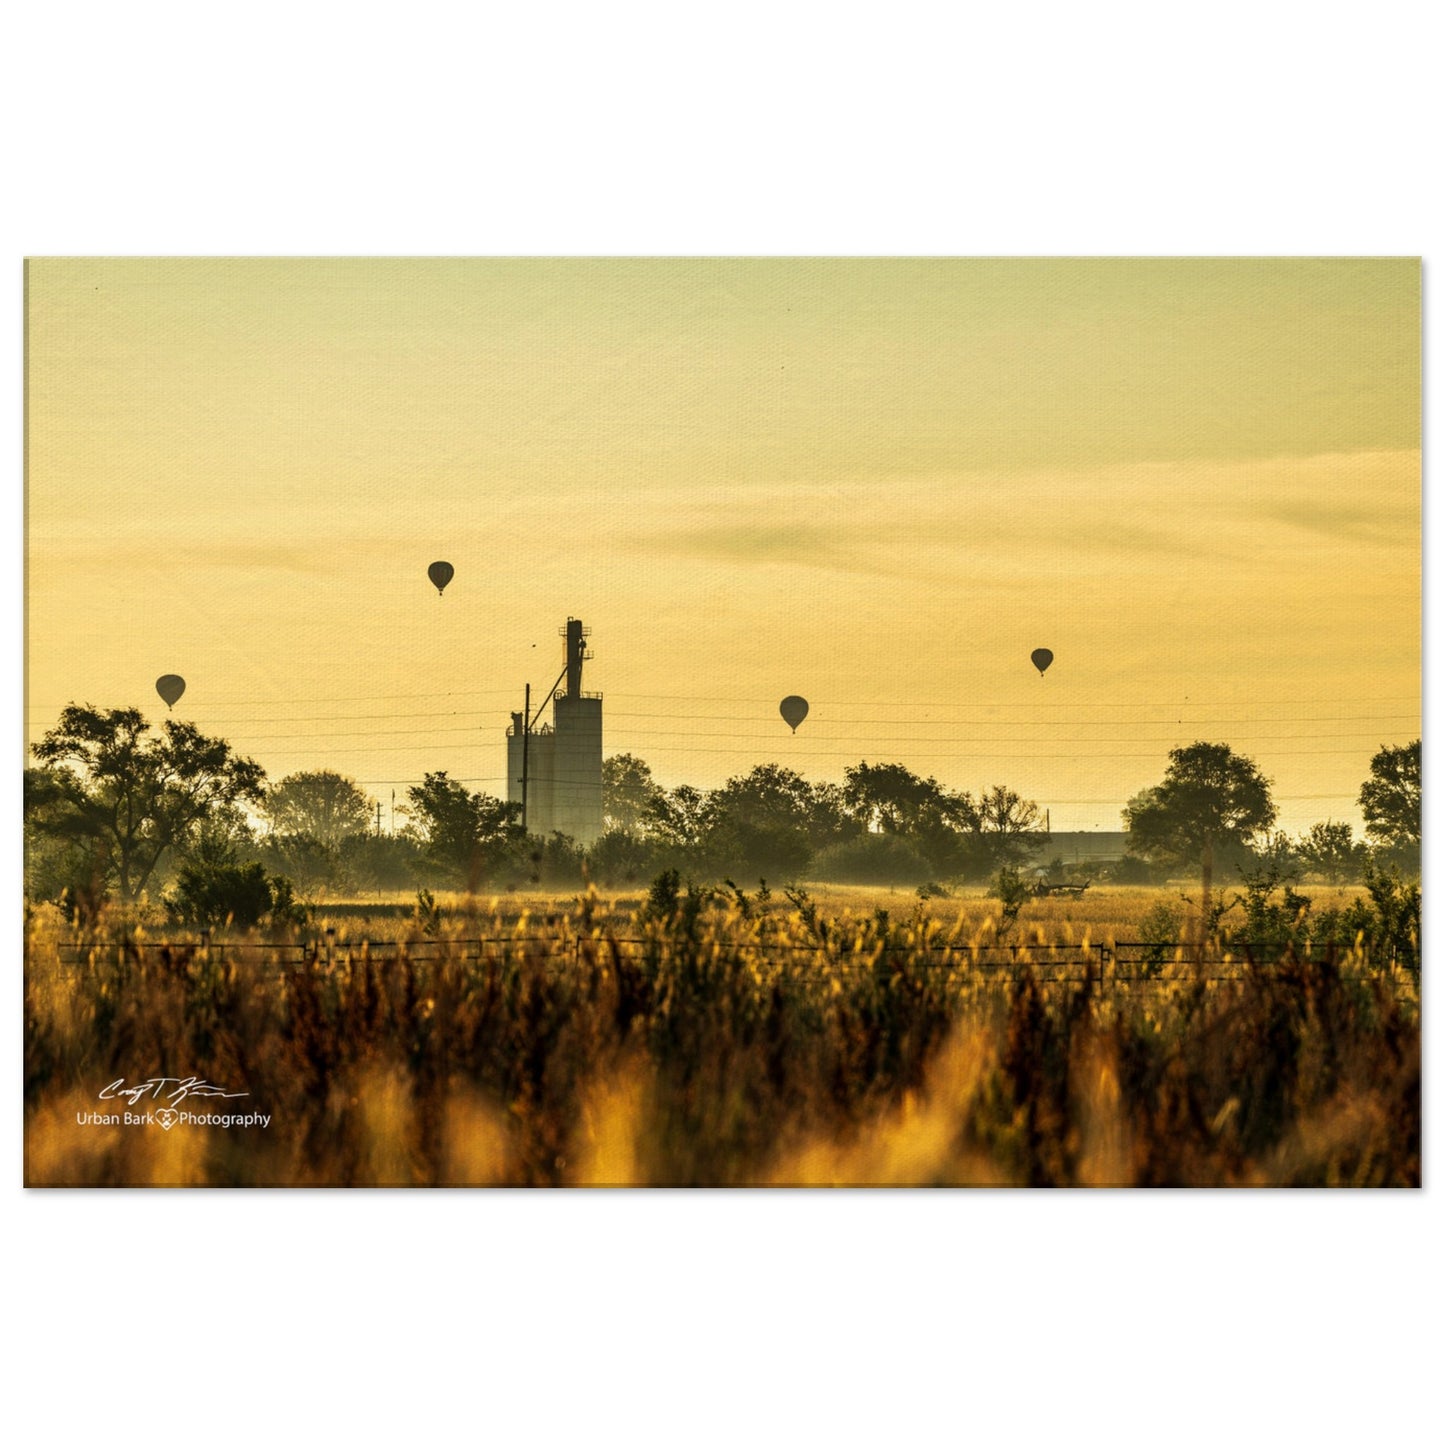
(794, 709)
(1041, 657)
(170, 688)
(440, 573)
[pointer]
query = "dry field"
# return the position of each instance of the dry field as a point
(1103, 914)
(805, 1040)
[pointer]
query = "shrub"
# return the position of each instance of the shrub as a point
(620, 857)
(736, 846)
(379, 861)
(1013, 890)
(309, 863)
(1160, 927)
(1388, 923)
(208, 894)
(287, 911)
(663, 895)
(560, 860)
(1130, 870)
(1274, 925)
(872, 858)
(1397, 904)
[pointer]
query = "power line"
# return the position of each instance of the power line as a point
(813, 753)
(843, 722)
(772, 702)
(1075, 722)
(955, 703)
(773, 734)
(355, 697)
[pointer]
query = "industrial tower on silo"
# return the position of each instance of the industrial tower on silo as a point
(555, 771)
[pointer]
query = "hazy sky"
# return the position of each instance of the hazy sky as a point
(879, 484)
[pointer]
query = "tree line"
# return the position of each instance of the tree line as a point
(113, 809)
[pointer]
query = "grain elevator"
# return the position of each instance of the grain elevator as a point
(555, 771)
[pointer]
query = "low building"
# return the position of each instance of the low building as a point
(1075, 848)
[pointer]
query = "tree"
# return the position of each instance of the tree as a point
(313, 866)
(889, 798)
(1277, 854)
(1390, 800)
(323, 805)
(379, 861)
(1329, 850)
(829, 820)
(627, 792)
(761, 820)
(620, 856)
(1210, 796)
(467, 834)
(133, 797)
(65, 862)
(1006, 826)
(677, 817)
(770, 794)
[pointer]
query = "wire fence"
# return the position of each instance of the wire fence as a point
(1125, 963)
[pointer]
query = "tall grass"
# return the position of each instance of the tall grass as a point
(714, 1044)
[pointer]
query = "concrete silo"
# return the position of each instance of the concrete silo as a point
(555, 771)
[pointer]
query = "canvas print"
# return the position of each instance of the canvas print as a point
(722, 722)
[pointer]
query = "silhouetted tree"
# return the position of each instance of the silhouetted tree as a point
(378, 861)
(760, 821)
(465, 834)
(1390, 800)
(889, 798)
(829, 821)
(1277, 855)
(677, 818)
(323, 805)
(303, 858)
(627, 792)
(943, 828)
(1330, 850)
(620, 856)
(66, 859)
(1007, 827)
(134, 797)
(1209, 796)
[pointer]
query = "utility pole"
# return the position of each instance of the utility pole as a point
(526, 735)
(378, 817)
(527, 721)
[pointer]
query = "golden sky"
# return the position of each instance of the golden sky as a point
(877, 483)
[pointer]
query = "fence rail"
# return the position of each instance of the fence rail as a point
(1126, 962)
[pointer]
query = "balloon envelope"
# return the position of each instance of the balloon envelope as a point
(794, 709)
(170, 688)
(440, 573)
(1041, 657)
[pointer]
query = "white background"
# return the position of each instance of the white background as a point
(1029, 129)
